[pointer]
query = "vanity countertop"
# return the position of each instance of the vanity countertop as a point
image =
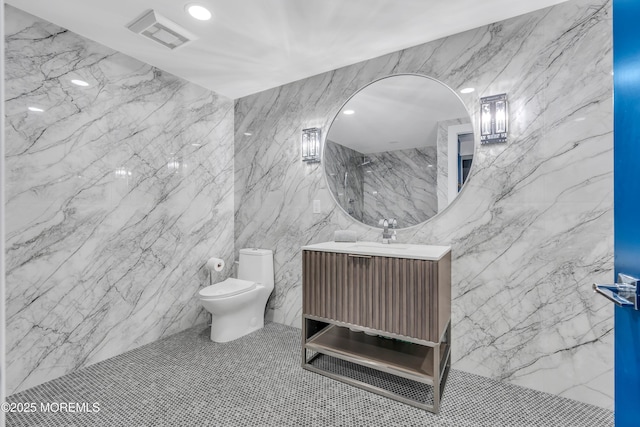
(394, 250)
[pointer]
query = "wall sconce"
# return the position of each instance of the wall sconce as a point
(494, 118)
(123, 173)
(311, 145)
(176, 165)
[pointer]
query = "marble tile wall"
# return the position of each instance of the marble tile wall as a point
(530, 231)
(442, 158)
(348, 192)
(116, 194)
(400, 184)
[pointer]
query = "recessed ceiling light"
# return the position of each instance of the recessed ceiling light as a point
(467, 90)
(36, 109)
(348, 112)
(248, 133)
(79, 83)
(196, 145)
(198, 12)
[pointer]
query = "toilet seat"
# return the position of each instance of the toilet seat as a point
(226, 288)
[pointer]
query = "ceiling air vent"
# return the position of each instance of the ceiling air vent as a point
(161, 30)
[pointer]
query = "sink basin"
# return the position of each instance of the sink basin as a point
(385, 246)
(403, 250)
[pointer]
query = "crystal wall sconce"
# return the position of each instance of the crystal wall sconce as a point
(122, 173)
(311, 145)
(176, 165)
(494, 119)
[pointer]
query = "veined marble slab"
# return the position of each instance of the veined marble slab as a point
(442, 144)
(400, 184)
(117, 194)
(345, 177)
(531, 230)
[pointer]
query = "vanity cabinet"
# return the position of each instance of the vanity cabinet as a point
(383, 308)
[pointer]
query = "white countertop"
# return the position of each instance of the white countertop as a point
(394, 250)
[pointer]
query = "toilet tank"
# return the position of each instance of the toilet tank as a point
(256, 265)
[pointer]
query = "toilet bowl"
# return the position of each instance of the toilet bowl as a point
(237, 305)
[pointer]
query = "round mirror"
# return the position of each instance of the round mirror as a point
(400, 148)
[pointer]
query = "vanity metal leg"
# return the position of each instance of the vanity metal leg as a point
(307, 334)
(436, 378)
(304, 341)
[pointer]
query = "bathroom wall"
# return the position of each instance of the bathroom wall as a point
(400, 184)
(342, 160)
(116, 194)
(442, 157)
(530, 231)
(3, 372)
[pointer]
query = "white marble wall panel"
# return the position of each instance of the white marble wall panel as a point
(345, 177)
(530, 231)
(116, 195)
(442, 146)
(400, 184)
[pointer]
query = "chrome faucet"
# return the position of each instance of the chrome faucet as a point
(388, 235)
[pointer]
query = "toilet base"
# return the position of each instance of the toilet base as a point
(232, 326)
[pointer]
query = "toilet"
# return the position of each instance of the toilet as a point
(237, 305)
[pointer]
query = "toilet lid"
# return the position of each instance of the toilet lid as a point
(227, 288)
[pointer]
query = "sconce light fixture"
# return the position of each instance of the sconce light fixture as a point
(123, 172)
(494, 118)
(176, 165)
(311, 145)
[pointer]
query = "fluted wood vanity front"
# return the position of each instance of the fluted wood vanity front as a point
(399, 295)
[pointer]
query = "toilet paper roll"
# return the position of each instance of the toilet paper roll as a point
(215, 264)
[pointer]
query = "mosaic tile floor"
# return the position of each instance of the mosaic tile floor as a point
(186, 380)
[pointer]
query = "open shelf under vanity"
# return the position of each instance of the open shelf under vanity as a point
(386, 355)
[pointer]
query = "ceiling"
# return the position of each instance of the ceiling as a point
(396, 113)
(253, 45)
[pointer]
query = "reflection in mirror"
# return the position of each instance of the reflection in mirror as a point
(399, 148)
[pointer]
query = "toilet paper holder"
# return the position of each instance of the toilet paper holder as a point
(214, 264)
(625, 293)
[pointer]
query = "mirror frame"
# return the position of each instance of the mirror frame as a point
(471, 170)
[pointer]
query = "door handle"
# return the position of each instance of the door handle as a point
(625, 293)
